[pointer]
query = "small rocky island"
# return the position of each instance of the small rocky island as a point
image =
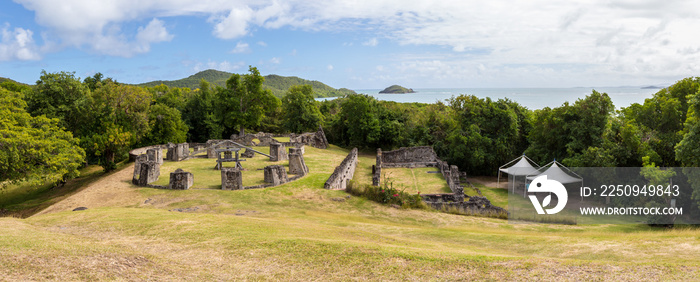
(396, 89)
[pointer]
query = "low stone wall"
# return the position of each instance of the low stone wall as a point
(451, 203)
(343, 173)
(134, 153)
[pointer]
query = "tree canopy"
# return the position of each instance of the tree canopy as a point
(34, 149)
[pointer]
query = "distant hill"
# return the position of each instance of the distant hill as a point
(277, 84)
(396, 89)
(3, 79)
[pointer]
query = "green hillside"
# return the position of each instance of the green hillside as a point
(277, 84)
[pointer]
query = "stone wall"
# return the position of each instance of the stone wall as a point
(314, 139)
(134, 153)
(343, 173)
(422, 156)
(475, 204)
(377, 169)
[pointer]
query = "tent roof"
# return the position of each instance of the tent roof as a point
(558, 174)
(522, 167)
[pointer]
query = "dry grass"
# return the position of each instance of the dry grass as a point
(414, 180)
(299, 231)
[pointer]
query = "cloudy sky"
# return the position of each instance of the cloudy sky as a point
(359, 44)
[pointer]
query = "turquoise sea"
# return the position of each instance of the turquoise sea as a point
(532, 98)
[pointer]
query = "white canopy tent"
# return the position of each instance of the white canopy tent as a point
(558, 172)
(522, 167)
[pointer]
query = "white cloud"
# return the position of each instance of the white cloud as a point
(371, 42)
(262, 43)
(275, 60)
(241, 47)
(222, 66)
(329, 67)
(18, 44)
(618, 37)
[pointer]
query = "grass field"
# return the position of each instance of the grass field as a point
(299, 231)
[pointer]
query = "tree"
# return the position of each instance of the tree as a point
(166, 126)
(244, 102)
(60, 95)
(300, 111)
(199, 115)
(34, 149)
(118, 119)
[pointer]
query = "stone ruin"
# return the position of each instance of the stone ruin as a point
(178, 152)
(314, 139)
(276, 175)
(297, 165)
(343, 173)
(248, 154)
(181, 180)
(231, 178)
(278, 152)
(155, 154)
(425, 156)
(145, 171)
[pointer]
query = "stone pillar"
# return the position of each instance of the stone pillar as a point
(297, 165)
(299, 147)
(275, 174)
(181, 180)
(278, 152)
(231, 178)
(137, 168)
(178, 152)
(150, 171)
(454, 183)
(155, 154)
(376, 177)
(211, 151)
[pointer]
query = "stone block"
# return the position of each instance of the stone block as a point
(150, 171)
(231, 178)
(297, 165)
(278, 152)
(155, 154)
(177, 152)
(275, 174)
(247, 154)
(137, 168)
(181, 180)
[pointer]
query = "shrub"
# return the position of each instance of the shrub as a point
(386, 194)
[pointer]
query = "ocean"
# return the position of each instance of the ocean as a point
(532, 98)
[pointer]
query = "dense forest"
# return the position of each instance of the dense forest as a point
(275, 83)
(51, 128)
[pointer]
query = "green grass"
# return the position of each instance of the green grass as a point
(414, 180)
(299, 231)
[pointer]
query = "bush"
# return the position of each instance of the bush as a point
(386, 194)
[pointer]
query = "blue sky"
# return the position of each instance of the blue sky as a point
(358, 44)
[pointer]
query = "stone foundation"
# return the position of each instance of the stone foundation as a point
(276, 175)
(247, 154)
(181, 180)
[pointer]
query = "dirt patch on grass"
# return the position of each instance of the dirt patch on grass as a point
(113, 190)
